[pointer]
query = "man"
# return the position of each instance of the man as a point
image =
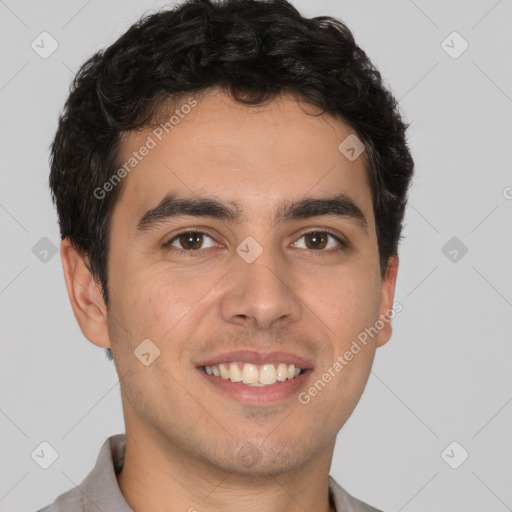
(231, 181)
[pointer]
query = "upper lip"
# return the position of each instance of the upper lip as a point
(259, 358)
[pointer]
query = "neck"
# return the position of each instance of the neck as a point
(160, 477)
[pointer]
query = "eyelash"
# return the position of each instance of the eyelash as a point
(193, 253)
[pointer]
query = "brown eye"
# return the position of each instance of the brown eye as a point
(320, 241)
(316, 240)
(189, 241)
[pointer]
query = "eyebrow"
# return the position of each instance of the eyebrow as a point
(173, 205)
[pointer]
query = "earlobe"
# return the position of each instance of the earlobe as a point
(386, 301)
(85, 296)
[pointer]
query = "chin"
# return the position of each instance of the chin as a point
(267, 459)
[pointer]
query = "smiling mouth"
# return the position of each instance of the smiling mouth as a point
(253, 374)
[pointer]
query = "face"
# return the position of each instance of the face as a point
(247, 271)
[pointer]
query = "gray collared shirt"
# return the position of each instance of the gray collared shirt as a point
(100, 491)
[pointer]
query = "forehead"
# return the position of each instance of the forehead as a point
(212, 144)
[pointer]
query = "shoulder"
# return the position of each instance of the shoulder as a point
(345, 502)
(70, 501)
(99, 490)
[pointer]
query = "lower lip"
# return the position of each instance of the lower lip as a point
(259, 395)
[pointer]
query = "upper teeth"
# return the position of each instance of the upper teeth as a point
(253, 374)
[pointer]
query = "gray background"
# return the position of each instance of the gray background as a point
(444, 376)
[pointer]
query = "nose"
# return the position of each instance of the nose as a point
(261, 294)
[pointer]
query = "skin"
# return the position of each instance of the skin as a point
(184, 436)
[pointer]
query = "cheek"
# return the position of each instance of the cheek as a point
(347, 302)
(163, 302)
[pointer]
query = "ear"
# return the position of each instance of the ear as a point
(85, 296)
(387, 294)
